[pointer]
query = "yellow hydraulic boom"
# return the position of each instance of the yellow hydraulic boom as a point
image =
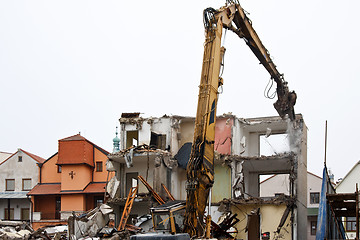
(200, 169)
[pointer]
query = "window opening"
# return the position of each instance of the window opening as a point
(131, 181)
(274, 144)
(19, 158)
(158, 140)
(132, 138)
(274, 185)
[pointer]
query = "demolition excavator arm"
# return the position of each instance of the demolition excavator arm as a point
(200, 169)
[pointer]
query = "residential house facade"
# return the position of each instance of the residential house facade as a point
(280, 184)
(73, 179)
(239, 163)
(19, 173)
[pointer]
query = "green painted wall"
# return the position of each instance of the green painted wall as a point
(222, 185)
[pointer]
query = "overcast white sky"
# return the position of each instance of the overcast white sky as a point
(75, 66)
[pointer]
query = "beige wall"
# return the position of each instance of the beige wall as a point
(49, 171)
(79, 181)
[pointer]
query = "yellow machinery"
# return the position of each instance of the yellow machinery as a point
(200, 169)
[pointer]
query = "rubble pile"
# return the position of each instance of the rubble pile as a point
(96, 224)
(19, 230)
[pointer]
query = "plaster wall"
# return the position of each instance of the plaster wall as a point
(314, 185)
(13, 169)
(222, 184)
(49, 171)
(178, 183)
(101, 176)
(348, 184)
(141, 168)
(73, 202)
(80, 178)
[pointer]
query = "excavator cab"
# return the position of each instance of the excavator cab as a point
(167, 221)
(169, 217)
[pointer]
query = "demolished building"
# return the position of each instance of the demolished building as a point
(158, 149)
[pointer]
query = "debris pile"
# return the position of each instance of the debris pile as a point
(10, 230)
(20, 230)
(96, 224)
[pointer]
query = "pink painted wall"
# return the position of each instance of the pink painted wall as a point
(223, 135)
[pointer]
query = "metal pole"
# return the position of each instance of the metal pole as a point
(325, 142)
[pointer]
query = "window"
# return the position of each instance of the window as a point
(19, 158)
(25, 214)
(313, 227)
(59, 168)
(10, 184)
(350, 224)
(99, 167)
(26, 184)
(314, 198)
(11, 214)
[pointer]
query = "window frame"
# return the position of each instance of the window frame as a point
(350, 224)
(311, 198)
(20, 159)
(99, 166)
(6, 184)
(59, 168)
(23, 180)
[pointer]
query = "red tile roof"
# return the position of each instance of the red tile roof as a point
(33, 156)
(95, 188)
(76, 137)
(46, 189)
(55, 189)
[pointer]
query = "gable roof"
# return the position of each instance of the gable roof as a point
(33, 156)
(352, 169)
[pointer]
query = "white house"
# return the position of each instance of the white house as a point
(280, 184)
(19, 173)
(348, 185)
